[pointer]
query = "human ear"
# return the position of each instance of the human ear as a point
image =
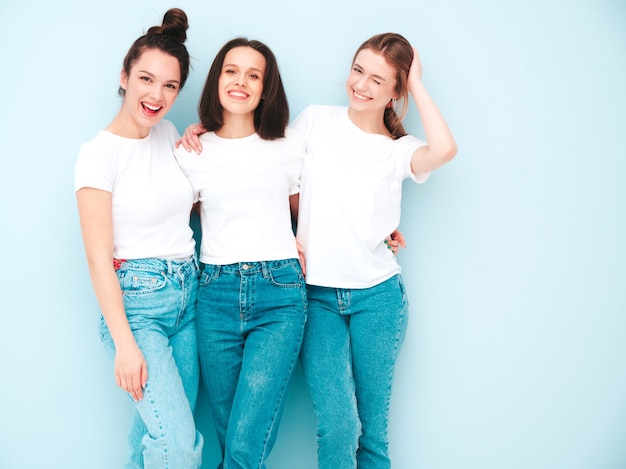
(123, 79)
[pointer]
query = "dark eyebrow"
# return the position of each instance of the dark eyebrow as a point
(237, 67)
(146, 72)
(378, 77)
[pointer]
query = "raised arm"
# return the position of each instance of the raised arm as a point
(94, 209)
(440, 145)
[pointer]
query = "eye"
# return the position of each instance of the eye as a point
(171, 86)
(229, 71)
(145, 78)
(254, 76)
(376, 81)
(357, 70)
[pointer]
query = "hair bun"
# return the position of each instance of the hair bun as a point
(174, 25)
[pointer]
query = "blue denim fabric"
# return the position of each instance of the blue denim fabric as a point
(250, 324)
(351, 342)
(160, 301)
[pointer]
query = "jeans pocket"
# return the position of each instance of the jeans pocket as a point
(287, 275)
(208, 274)
(141, 282)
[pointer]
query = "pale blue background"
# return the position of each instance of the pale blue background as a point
(515, 354)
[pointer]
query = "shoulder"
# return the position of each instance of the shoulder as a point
(317, 115)
(294, 136)
(101, 146)
(408, 143)
(165, 130)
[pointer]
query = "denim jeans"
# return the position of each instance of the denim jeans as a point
(250, 324)
(350, 346)
(160, 301)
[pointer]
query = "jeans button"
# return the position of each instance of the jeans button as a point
(245, 267)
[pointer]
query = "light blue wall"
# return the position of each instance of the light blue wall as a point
(515, 355)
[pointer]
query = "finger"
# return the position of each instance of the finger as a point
(136, 390)
(144, 374)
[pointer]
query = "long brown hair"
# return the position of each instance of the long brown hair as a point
(398, 53)
(271, 116)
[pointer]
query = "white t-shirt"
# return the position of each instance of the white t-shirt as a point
(350, 198)
(152, 198)
(244, 185)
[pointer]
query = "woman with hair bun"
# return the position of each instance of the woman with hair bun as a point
(357, 158)
(134, 204)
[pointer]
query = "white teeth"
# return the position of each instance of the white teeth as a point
(152, 108)
(238, 93)
(360, 96)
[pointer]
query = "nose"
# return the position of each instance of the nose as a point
(361, 83)
(242, 80)
(156, 91)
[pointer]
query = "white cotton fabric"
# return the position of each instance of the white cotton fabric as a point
(350, 198)
(152, 198)
(244, 185)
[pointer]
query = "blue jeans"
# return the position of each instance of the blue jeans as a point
(351, 343)
(160, 301)
(250, 324)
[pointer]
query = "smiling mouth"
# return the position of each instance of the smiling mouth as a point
(359, 96)
(237, 94)
(150, 109)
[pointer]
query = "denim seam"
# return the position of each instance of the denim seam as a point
(280, 400)
(162, 438)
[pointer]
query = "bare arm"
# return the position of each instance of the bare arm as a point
(294, 204)
(94, 209)
(440, 145)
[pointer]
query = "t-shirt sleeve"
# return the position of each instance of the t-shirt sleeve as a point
(298, 150)
(95, 167)
(405, 147)
(301, 123)
(188, 162)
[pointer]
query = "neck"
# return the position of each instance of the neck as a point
(122, 126)
(371, 122)
(237, 126)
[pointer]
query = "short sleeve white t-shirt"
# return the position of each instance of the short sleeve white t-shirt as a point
(350, 198)
(244, 185)
(151, 197)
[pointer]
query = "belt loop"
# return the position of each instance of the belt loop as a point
(168, 262)
(217, 271)
(195, 261)
(265, 269)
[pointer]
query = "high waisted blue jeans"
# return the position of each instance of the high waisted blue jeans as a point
(160, 301)
(351, 343)
(250, 324)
